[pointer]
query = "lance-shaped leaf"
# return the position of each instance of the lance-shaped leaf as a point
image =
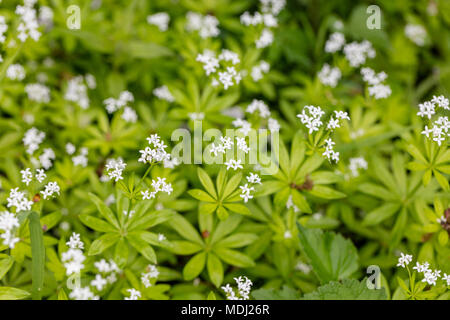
(332, 257)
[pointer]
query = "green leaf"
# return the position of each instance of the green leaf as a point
(326, 192)
(346, 290)
(331, 256)
(220, 180)
(238, 208)
(104, 210)
(222, 213)
(233, 257)
(142, 247)
(206, 182)
(37, 255)
(9, 293)
(231, 185)
(185, 247)
(380, 214)
(215, 269)
(185, 229)
(300, 201)
(195, 266)
(96, 223)
(151, 219)
(238, 240)
(5, 265)
(207, 208)
(201, 195)
(104, 242)
(145, 50)
(121, 253)
(286, 293)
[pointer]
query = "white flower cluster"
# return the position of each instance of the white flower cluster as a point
(18, 200)
(46, 16)
(207, 26)
(440, 127)
(329, 76)
(196, 116)
(258, 70)
(163, 93)
(159, 185)
(357, 53)
(374, 80)
(264, 112)
(355, 164)
(38, 92)
(46, 158)
(112, 105)
(73, 258)
(3, 29)
(429, 276)
(222, 66)
(329, 150)
(155, 154)
(114, 169)
(28, 21)
(15, 72)
(253, 178)
(268, 18)
(134, 294)
(335, 42)
(160, 19)
(8, 223)
(244, 287)
(311, 121)
(80, 159)
(77, 90)
(50, 189)
(416, 33)
(27, 175)
(107, 274)
(152, 273)
(32, 139)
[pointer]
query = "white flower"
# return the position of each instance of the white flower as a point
(155, 154)
(404, 260)
(32, 139)
(260, 106)
(254, 178)
(265, 39)
(3, 29)
(242, 144)
(329, 76)
(273, 125)
(8, 223)
(245, 194)
(99, 282)
(235, 164)
(380, 91)
(77, 92)
(357, 53)
(82, 293)
(73, 261)
(75, 241)
(159, 185)
(134, 294)
(312, 121)
(114, 169)
(15, 71)
(272, 6)
(38, 92)
(244, 287)
(17, 199)
(112, 105)
(422, 267)
(335, 42)
(46, 158)
(129, 115)
(207, 26)
(163, 93)
(50, 189)
(152, 273)
(27, 176)
(70, 148)
(371, 77)
(103, 266)
(446, 278)
(355, 164)
(416, 33)
(28, 22)
(258, 70)
(160, 19)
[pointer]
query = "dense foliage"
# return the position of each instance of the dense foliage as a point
(196, 149)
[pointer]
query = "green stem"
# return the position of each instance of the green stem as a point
(37, 255)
